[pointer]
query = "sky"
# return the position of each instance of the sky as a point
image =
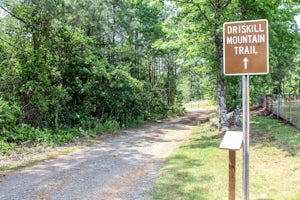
(298, 20)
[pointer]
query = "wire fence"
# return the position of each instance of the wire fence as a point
(285, 106)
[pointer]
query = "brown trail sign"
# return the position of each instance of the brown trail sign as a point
(246, 47)
(245, 52)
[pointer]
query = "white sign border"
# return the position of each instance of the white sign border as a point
(267, 45)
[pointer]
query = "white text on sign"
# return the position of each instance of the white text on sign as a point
(251, 35)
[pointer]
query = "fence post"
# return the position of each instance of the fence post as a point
(268, 103)
(272, 103)
(290, 107)
(278, 105)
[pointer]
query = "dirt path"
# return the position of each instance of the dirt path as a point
(122, 167)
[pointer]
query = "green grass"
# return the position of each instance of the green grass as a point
(199, 169)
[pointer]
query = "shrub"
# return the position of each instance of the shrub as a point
(111, 125)
(5, 148)
(8, 116)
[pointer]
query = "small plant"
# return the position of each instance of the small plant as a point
(6, 148)
(111, 125)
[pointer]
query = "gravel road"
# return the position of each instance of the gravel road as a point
(123, 166)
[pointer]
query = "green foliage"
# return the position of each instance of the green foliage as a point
(196, 27)
(103, 65)
(9, 114)
(6, 148)
(72, 69)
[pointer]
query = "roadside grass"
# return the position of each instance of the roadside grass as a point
(199, 169)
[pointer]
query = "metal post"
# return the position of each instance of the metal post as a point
(246, 128)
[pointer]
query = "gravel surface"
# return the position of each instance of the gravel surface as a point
(124, 166)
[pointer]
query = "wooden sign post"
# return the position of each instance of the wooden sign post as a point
(231, 176)
(246, 52)
(232, 141)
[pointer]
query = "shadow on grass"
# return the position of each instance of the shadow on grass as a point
(205, 142)
(268, 132)
(185, 175)
(180, 181)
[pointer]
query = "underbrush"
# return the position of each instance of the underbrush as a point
(28, 136)
(23, 135)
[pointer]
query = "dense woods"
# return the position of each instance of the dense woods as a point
(75, 68)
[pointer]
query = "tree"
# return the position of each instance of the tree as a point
(198, 25)
(73, 62)
(201, 22)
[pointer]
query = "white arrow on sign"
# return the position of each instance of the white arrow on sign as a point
(245, 62)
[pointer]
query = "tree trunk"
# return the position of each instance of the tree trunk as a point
(221, 89)
(221, 102)
(236, 113)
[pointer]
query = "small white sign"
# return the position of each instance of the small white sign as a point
(232, 140)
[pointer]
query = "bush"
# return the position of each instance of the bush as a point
(8, 115)
(111, 125)
(136, 122)
(5, 148)
(173, 111)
